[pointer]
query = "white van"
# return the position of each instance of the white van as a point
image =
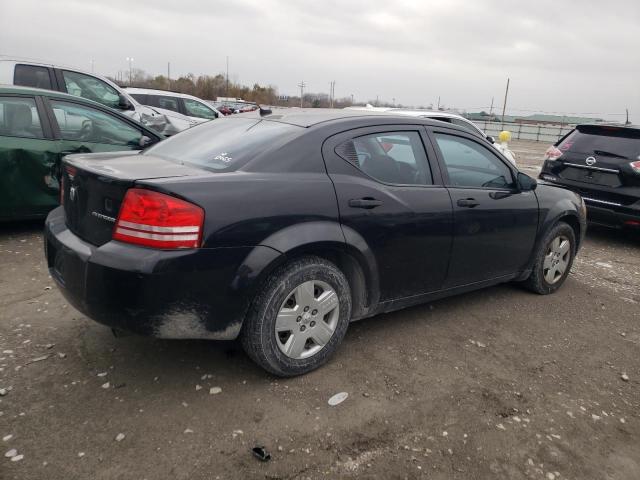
(29, 73)
(193, 107)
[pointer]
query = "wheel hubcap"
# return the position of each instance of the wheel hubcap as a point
(307, 319)
(557, 259)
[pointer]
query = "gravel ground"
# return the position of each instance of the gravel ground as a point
(496, 384)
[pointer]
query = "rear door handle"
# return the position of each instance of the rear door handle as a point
(468, 202)
(367, 203)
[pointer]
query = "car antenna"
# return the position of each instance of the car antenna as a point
(264, 111)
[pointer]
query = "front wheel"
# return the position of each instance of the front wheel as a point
(299, 318)
(553, 260)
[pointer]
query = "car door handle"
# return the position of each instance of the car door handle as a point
(468, 202)
(366, 202)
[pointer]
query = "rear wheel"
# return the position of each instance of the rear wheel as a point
(299, 318)
(553, 260)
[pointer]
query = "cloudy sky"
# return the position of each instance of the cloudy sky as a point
(571, 56)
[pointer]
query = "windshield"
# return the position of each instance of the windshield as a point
(600, 140)
(226, 145)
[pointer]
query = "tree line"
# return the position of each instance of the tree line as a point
(209, 87)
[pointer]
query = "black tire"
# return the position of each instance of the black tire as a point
(258, 334)
(537, 282)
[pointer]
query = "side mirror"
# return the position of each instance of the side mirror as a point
(145, 141)
(526, 183)
(490, 139)
(124, 103)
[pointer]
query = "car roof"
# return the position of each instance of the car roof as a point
(308, 117)
(155, 91)
(16, 90)
(409, 112)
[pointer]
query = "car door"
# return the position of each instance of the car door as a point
(392, 202)
(495, 223)
(27, 156)
(84, 128)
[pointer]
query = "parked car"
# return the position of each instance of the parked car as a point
(193, 107)
(601, 163)
(223, 108)
(28, 73)
(282, 228)
(448, 117)
(37, 128)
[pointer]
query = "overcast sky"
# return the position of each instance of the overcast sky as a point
(562, 56)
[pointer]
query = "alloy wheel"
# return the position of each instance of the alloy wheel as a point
(307, 319)
(556, 259)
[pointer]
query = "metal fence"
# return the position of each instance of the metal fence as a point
(526, 131)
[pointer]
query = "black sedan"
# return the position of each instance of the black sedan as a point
(280, 229)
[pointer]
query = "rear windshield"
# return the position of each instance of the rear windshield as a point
(224, 145)
(600, 140)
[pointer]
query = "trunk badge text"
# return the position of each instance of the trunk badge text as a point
(103, 217)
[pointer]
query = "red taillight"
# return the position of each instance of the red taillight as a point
(635, 166)
(157, 220)
(62, 189)
(552, 153)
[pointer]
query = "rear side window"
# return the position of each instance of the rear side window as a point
(600, 140)
(162, 101)
(224, 146)
(92, 88)
(32, 76)
(393, 157)
(19, 118)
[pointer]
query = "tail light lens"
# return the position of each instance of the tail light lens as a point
(635, 166)
(552, 153)
(157, 220)
(61, 189)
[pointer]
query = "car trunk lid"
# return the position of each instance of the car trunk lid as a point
(94, 186)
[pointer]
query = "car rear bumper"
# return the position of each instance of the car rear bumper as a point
(166, 294)
(603, 203)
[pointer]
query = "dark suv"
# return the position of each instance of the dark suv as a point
(601, 163)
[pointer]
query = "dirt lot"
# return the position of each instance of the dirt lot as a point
(497, 384)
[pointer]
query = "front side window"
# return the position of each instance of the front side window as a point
(472, 165)
(89, 87)
(197, 109)
(19, 118)
(394, 157)
(32, 76)
(85, 124)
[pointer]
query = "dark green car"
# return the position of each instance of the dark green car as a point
(37, 129)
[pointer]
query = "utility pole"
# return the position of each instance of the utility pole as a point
(169, 75)
(491, 108)
(627, 122)
(227, 76)
(301, 85)
(352, 99)
(393, 101)
(438, 107)
(504, 105)
(130, 60)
